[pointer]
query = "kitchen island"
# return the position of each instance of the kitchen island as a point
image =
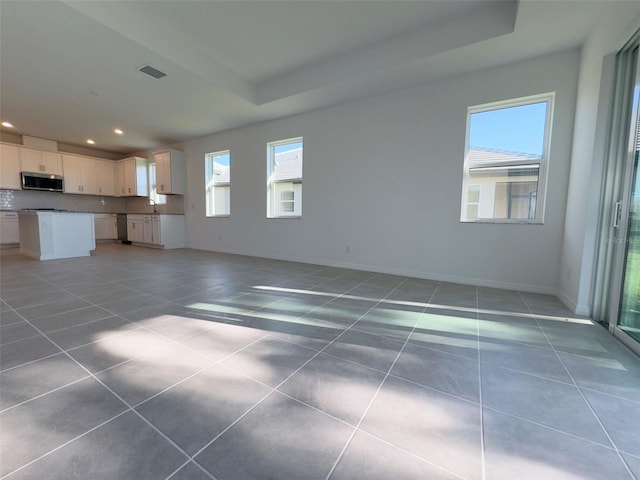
(48, 235)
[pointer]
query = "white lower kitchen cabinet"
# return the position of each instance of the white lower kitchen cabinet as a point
(106, 226)
(158, 230)
(147, 232)
(172, 231)
(52, 235)
(155, 227)
(135, 228)
(9, 228)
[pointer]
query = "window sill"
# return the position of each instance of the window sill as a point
(504, 222)
(286, 217)
(218, 216)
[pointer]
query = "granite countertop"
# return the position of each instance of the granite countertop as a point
(82, 211)
(49, 210)
(151, 213)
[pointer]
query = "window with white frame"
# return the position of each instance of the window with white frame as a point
(218, 183)
(154, 196)
(506, 160)
(287, 201)
(473, 200)
(284, 178)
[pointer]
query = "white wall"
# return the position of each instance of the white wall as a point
(383, 176)
(579, 243)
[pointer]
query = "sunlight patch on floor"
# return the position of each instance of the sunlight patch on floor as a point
(279, 317)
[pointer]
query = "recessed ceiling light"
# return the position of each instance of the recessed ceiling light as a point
(7, 124)
(91, 142)
(118, 131)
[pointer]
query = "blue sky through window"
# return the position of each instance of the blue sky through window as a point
(513, 129)
(288, 146)
(222, 159)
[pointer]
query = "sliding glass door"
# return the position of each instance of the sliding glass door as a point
(624, 320)
(629, 312)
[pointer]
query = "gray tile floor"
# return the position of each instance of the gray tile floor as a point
(145, 364)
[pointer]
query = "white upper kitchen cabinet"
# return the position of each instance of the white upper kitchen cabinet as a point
(106, 177)
(89, 176)
(170, 172)
(120, 188)
(40, 161)
(72, 174)
(9, 167)
(80, 174)
(131, 177)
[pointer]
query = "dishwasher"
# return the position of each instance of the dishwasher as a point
(122, 229)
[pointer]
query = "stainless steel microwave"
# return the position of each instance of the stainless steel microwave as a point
(42, 181)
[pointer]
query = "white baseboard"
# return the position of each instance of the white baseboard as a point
(578, 309)
(479, 282)
(583, 310)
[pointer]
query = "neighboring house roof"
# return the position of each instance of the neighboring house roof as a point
(288, 166)
(221, 173)
(481, 156)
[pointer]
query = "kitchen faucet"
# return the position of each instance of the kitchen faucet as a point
(152, 202)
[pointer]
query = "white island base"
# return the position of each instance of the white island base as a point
(46, 235)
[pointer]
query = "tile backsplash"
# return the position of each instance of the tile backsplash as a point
(174, 204)
(21, 199)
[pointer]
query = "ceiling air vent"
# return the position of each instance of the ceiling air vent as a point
(152, 72)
